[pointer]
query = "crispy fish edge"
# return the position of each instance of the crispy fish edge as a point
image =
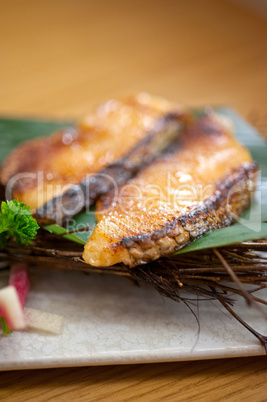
(232, 196)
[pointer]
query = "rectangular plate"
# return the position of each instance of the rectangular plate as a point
(109, 320)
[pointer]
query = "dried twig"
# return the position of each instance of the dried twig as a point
(235, 278)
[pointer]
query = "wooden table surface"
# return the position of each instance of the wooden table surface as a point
(61, 57)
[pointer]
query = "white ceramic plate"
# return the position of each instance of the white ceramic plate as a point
(109, 320)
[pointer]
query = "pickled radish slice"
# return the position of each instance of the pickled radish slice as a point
(19, 278)
(41, 321)
(11, 309)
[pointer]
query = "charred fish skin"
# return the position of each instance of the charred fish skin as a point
(132, 231)
(84, 195)
(72, 165)
(216, 213)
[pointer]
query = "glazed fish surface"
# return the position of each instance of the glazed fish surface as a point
(105, 149)
(203, 183)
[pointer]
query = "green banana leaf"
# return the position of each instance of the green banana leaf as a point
(15, 131)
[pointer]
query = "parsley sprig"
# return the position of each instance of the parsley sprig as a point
(16, 221)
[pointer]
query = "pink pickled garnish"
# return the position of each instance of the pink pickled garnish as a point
(11, 309)
(19, 278)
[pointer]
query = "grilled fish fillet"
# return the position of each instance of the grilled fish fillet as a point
(203, 183)
(105, 149)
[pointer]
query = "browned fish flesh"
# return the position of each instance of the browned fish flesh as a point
(204, 183)
(60, 174)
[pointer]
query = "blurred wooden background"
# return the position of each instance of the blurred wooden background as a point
(59, 58)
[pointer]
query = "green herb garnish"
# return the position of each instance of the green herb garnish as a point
(6, 330)
(16, 221)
